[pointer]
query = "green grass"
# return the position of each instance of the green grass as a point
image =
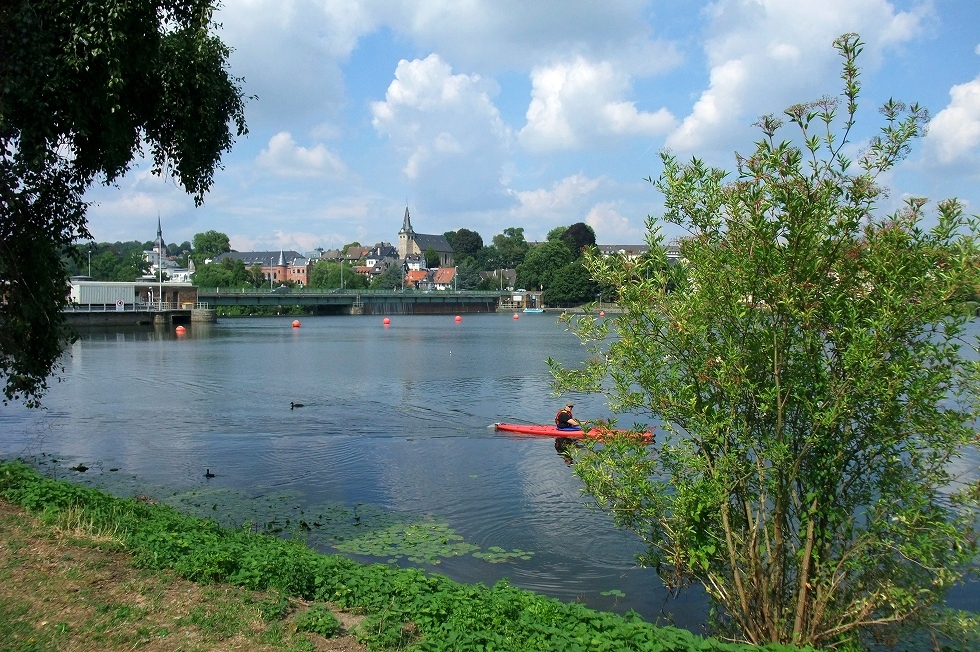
(404, 607)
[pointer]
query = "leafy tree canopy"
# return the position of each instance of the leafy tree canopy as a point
(390, 279)
(209, 245)
(489, 258)
(329, 275)
(571, 285)
(178, 249)
(84, 87)
(578, 236)
(431, 258)
(464, 242)
(229, 274)
(808, 365)
(541, 263)
(467, 274)
(556, 233)
(116, 261)
(511, 246)
(211, 275)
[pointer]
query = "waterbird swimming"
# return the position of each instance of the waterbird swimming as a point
(208, 474)
(294, 405)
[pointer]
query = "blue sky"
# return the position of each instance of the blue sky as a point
(488, 114)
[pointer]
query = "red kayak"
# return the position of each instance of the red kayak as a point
(552, 431)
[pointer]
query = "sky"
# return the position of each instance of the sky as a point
(489, 114)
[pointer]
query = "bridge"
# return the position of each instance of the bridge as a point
(361, 302)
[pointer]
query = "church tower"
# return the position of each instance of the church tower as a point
(406, 237)
(159, 246)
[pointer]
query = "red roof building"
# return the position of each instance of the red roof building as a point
(443, 278)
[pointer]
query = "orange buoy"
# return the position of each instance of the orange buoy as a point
(180, 330)
(602, 313)
(516, 316)
(386, 321)
(458, 319)
(296, 323)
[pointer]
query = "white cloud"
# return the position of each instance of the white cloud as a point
(600, 202)
(555, 202)
(290, 53)
(615, 228)
(493, 35)
(580, 102)
(284, 158)
(768, 54)
(954, 133)
(449, 131)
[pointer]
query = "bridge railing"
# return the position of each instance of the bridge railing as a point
(368, 292)
(139, 306)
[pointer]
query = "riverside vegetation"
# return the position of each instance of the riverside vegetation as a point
(402, 608)
(809, 361)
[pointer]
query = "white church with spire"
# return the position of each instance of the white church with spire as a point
(159, 261)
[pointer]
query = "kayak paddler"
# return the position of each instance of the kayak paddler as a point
(564, 419)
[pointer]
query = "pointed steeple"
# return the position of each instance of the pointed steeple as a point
(407, 223)
(159, 246)
(282, 259)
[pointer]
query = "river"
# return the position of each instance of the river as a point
(392, 439)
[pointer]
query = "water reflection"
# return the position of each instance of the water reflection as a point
(395, 419)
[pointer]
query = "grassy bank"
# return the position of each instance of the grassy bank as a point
(402, 608)
(65, 585)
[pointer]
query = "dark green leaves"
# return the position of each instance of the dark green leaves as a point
(83, 86)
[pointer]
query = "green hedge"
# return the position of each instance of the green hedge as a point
(404, 607)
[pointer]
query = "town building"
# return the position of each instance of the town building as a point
(277, 266)
(382, 253)
(410, 242)
(635, 251)
(418, 279)
(355, 254)
(443, 278)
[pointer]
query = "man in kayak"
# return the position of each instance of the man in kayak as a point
(564, 420)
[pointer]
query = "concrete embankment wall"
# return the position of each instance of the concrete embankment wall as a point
(83, 319)
(406, 308)
(90, 319)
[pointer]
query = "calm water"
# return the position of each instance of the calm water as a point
(395, 422)
(395, 419)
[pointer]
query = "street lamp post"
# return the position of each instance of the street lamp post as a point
(90, 263)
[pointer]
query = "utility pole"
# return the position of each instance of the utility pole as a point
(160, 275)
